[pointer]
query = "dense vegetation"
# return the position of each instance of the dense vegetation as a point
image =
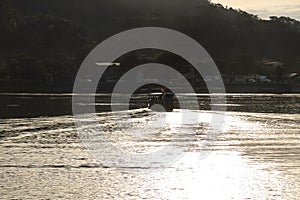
(47, 40)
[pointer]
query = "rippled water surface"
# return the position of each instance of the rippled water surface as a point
(255, 156)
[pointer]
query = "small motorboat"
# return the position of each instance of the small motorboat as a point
(161, 102)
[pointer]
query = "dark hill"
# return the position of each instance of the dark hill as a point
(54, 36)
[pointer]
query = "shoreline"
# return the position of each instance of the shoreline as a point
(66, 87)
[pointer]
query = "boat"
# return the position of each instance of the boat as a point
(161, 102)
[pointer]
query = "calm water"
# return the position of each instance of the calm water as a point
(256, 156)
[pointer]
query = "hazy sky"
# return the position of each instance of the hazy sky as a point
(266, 8)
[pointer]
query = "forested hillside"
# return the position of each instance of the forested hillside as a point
(47, 40)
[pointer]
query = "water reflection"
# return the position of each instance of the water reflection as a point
(255, 157)
(34, 105)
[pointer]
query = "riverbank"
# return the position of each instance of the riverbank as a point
(23, 86)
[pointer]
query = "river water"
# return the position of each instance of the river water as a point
(256, 155)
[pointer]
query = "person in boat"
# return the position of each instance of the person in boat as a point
(164, 98)
(163, 94)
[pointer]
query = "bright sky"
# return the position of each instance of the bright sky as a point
(266, 8)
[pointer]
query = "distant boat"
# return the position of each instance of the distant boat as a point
(161, 102)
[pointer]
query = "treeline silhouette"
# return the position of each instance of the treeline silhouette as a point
(46, 40)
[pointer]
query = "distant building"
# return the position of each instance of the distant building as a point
(243, 79)
(230, 78)
(274, 69)
(293, 78)
(272, 65)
